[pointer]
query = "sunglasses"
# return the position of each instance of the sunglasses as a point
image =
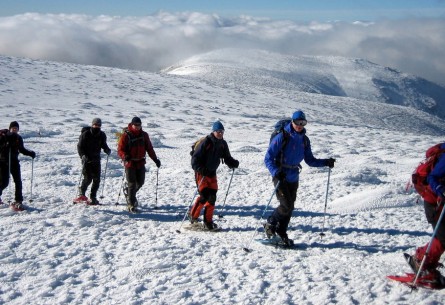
(97, 126)
(219, 131)
(300, 122)
(137, 125)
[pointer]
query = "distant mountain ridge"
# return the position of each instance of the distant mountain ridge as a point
(336, 76)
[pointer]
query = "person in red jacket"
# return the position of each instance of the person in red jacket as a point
(433, 204)
(132, 147)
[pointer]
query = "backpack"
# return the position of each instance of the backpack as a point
(131, 139)
(192, 152)
(279, 128)
(3, 139)
(420, 174)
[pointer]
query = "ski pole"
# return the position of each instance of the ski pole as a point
(9, 176)
(224, 204)
(265, 210)
(120, 189)
(32, 179)
(428, 248)
(188, 208)
(325, 203)
(156, 193)
(105, 177)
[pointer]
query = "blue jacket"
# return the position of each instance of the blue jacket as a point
(436, 178)
(297, 149)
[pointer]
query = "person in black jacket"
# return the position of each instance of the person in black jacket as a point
(91, 141)
(205, 161)
(12, 146)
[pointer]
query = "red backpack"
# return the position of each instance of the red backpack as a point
(420, 174)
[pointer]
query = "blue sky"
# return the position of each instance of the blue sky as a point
(297, 10)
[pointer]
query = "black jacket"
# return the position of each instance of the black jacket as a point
(91, 143)
(209, 153)
(13, 142)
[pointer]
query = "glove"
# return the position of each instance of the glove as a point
(127, 158)
(280, 176)
(32, 154)
(107, 151)
(330, 162)
(203, 171)
(158, 163)
(235, 164)
(84, 159)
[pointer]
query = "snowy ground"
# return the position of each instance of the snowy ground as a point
(59, 253)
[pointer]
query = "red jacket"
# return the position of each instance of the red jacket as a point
(135, 143)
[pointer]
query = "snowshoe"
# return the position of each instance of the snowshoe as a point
(81, 199)
(277, 242)
(17, 206)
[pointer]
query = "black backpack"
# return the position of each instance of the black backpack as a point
(3, 138)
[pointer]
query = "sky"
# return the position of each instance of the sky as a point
(152, 35)
(297, 10)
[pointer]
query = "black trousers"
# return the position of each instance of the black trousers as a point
(91, 173)
(286, 195)
(432, 213)
(16, 176)
(135, 180)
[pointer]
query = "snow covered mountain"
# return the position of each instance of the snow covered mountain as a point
(334, 76)
(59, 253)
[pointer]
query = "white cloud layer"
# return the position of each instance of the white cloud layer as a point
(154, 42)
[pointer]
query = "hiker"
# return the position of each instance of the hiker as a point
(286, 150)
(11, 147)
(131, 148)
(433, 203)
(207, 155)
(91, 141)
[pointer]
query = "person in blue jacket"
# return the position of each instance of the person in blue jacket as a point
(284, 155)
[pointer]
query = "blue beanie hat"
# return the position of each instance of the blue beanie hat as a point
(298, 115)
(217, 126)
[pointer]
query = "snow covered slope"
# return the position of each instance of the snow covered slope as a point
(336, 76)
(60, 253)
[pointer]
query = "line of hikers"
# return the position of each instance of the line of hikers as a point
(289, 146)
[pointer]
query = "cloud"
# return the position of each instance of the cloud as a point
(154, 42)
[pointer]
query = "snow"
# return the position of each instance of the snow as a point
(58, 253)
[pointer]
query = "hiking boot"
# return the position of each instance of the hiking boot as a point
(269, 229)
(432, 277)
(18, 206)
(286, 240)
(210, 226)
(192, 219)
(93, 201)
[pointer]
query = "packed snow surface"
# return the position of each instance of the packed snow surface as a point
(60, 253)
